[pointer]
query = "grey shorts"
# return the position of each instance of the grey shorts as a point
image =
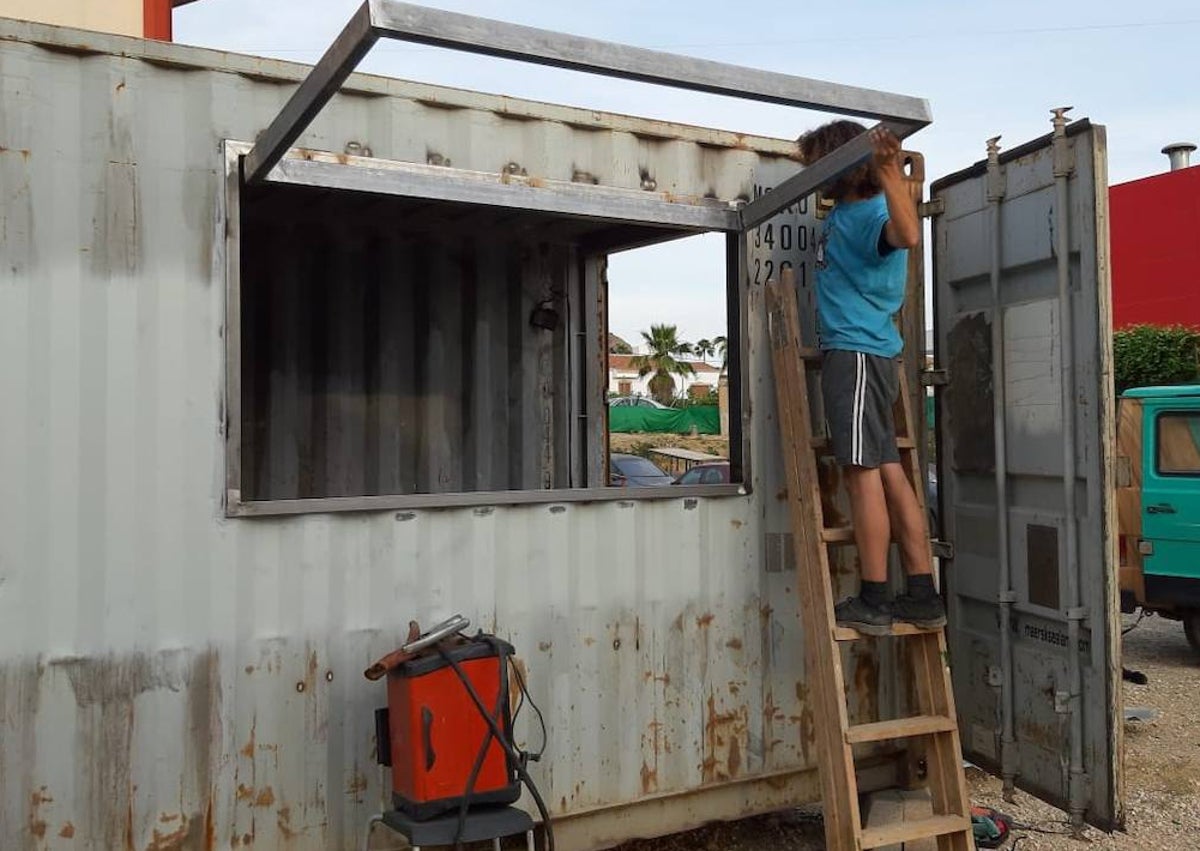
(859, 391)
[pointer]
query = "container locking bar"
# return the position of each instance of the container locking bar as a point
(376, 19)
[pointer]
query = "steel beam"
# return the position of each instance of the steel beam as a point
(318, 87)
(511, 41)
(407, 22)
(806, 182)
(410, 180)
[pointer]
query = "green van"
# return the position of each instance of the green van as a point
(1158, 503)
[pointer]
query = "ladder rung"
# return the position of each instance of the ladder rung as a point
(900, 728)
(822, 444)
(838, 535)
(907, 831)
(845, 633)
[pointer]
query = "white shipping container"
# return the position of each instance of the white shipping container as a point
(176, 676)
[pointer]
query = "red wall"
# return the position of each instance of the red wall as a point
(1155, 239)
(156, 19)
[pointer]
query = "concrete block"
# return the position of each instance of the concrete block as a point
(894, 805)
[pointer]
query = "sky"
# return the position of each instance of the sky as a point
(987, 68)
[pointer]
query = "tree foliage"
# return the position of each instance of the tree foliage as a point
(663, 361)
(1154, 355)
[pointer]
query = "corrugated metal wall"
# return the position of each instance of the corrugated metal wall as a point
(173, 679)
(387, 349)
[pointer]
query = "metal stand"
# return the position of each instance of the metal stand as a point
(481, 824)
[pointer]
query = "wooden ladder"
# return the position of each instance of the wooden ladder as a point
(937, 723)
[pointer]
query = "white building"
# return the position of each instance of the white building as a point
(623, 378)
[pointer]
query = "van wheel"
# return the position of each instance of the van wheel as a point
(1191, 628)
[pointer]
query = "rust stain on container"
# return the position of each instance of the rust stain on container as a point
(265, 798)
(705, 619)
(734, 644)
(37, 825)
(283, 822)
(248, 750)
(68, 831)
(182, 837)
(649, 779)
(357, 786)
(808, 735)
(866, 681)
(723, 732)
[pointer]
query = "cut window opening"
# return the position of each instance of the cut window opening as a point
(404, 348)
(668, 388)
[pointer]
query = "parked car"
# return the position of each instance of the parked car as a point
(716, 473)
(634, 471)
(634, 402)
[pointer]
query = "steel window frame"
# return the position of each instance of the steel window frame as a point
(228, 229)
(375, 19)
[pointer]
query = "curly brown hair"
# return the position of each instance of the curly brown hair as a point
(861, 180)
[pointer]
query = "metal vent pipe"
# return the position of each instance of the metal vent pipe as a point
(1180, 154)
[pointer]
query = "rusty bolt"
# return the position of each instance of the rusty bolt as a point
(300, 687)
(616, 644)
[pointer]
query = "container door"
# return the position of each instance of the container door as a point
(1171, 500)
(1031, 588)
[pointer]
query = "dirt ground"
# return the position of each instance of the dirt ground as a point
(1162, 773)
(637, 444)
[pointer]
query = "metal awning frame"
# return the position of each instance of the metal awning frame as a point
(375, 19)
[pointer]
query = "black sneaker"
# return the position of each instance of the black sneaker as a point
(926, 612)
(857, 613)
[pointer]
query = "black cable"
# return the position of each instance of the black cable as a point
(473, 778)
(525, 696)
(1045, 832)
(1128, 630)
(501, 739)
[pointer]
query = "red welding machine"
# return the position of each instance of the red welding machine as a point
(435, 733)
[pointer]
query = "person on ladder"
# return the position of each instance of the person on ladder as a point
(862, 271)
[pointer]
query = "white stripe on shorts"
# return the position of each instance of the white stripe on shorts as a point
(860, 394)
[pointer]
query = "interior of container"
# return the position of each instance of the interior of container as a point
(396, 346)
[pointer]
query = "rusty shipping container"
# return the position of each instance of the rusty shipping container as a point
(185, 610)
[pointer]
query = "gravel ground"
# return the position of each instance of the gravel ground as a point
(1162, 773)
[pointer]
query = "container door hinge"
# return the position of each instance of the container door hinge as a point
(934, 378)
(942, 549)
(932, 207)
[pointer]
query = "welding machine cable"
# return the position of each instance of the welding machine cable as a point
(513, 753)
(473, 777)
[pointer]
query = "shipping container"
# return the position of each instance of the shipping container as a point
(185, 615)
(253, 427)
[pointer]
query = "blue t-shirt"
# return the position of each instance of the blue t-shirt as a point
(859, 289)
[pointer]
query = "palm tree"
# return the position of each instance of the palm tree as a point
(704, 349)
(721, 348)
(664, 350)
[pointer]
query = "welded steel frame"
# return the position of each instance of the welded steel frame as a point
(375, 19)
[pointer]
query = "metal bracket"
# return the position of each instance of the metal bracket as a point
(942, 549)
(1064, 154)
(997, 180)
(375, 19)
(1077, 614)
(1006, 597)
(934, 378)
(932, 207)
